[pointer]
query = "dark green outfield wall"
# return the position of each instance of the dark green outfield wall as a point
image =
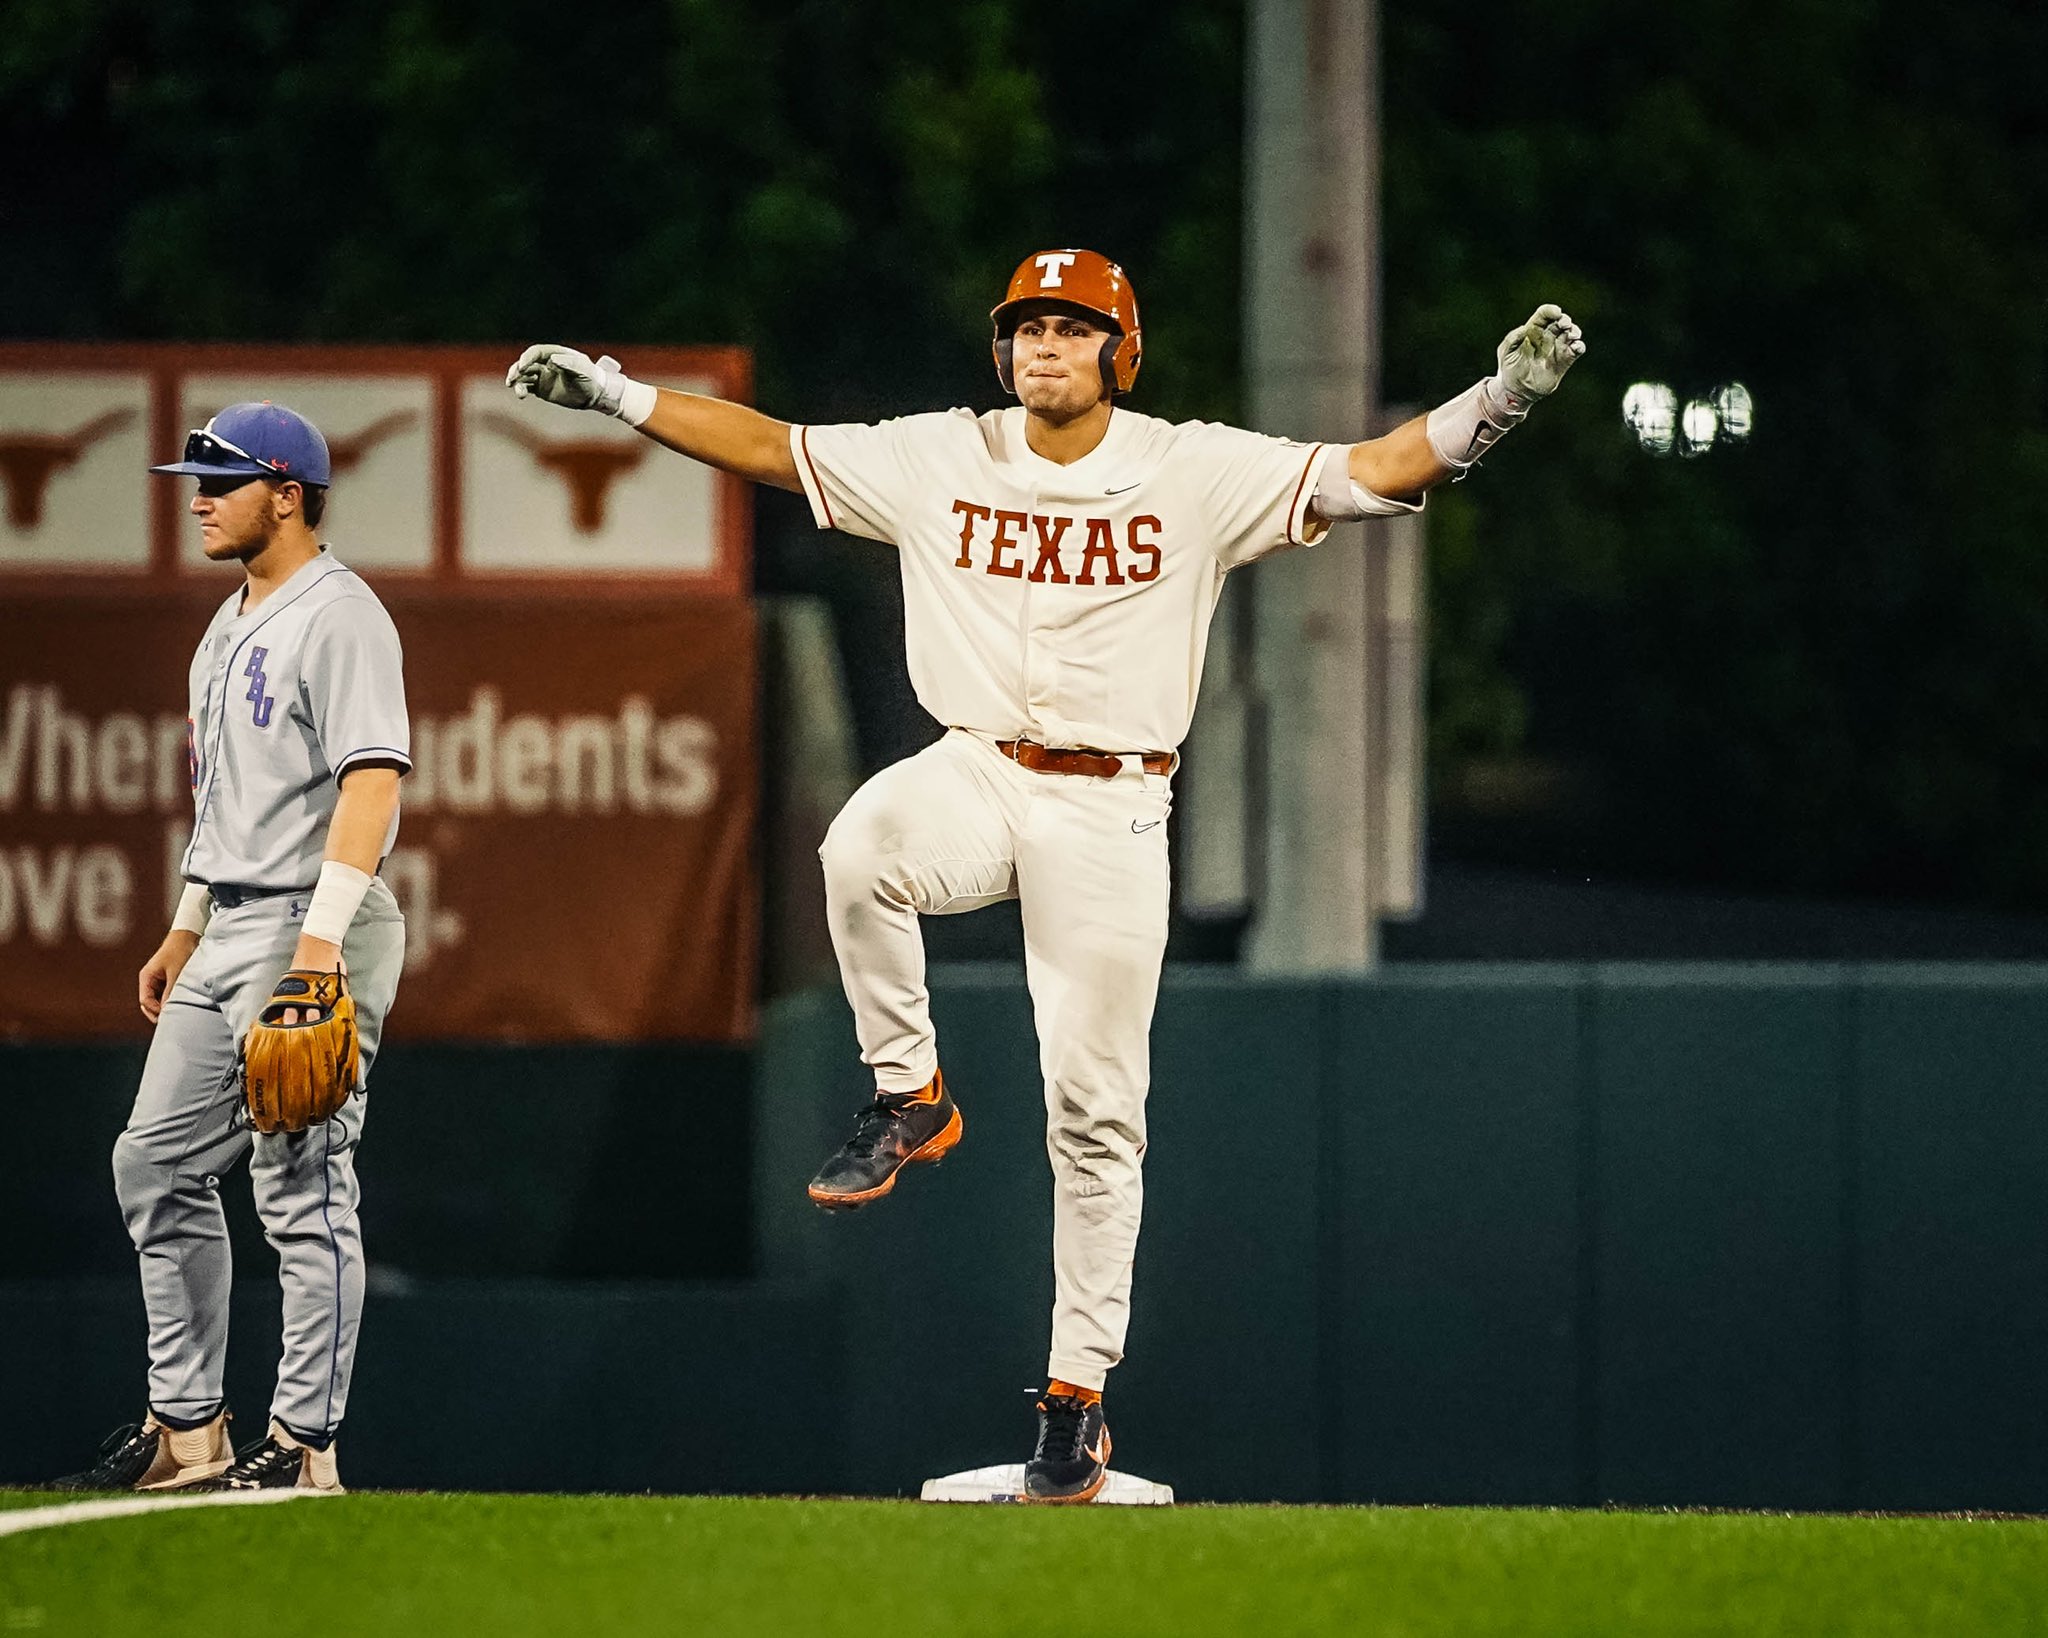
(476, 1162)
(1756, 1236)
(1747, 1235)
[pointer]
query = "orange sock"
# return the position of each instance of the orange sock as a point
(929, 1092)
(1067, 1390)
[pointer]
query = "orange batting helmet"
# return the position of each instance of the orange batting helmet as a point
(1084, 279)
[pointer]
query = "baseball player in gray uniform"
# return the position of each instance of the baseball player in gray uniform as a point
(298, 739)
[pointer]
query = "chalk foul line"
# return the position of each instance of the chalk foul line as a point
(14, 1521)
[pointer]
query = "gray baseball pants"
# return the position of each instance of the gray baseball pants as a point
(189, 1128)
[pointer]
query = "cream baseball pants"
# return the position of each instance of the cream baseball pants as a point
(960, 826)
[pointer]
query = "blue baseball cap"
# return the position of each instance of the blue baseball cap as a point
(263, 440)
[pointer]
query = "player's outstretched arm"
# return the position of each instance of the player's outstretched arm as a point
(1420, 454)
(731, 437)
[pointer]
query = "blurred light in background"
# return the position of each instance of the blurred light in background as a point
(1699, 424)
(1651, 410)
(1737, 411)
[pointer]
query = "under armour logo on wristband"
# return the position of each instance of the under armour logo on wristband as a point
(1484, 437)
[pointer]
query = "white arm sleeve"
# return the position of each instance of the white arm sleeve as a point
(1340, 498)
(1464, 428)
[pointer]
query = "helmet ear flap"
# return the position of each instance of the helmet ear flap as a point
(1005, 349)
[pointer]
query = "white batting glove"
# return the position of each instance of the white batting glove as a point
(562, 375)
(1534, 356)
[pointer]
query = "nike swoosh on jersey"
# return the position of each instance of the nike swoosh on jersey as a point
(1125, 490)
(1139, 830)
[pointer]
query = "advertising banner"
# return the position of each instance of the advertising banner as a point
(575, 848)
(575, 854)
(440, 474)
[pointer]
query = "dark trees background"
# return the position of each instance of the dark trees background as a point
(1814, 663)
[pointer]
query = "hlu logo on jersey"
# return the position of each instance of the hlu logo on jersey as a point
(257, 683)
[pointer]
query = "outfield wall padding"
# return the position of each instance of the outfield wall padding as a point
(478, 1384)
(1743, 1235)
(476, 1162)
(1753, 1236)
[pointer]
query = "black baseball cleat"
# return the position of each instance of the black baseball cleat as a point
(155, 1457)
(280, 1462)
(1072, 1459)
(894, 1130)
(125, 1455)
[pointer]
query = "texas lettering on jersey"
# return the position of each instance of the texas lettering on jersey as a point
(1101, 551)
(1067, 604)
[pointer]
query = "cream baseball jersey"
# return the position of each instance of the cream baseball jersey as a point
(1065, 604)
(284, 700)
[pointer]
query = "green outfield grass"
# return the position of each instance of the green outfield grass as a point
(590, 1567)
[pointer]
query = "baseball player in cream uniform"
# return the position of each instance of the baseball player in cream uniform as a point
(298, 738)
(1061, 562)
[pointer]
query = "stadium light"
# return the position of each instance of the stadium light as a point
(1699, 423)
(1651, 410)
(1737, 411)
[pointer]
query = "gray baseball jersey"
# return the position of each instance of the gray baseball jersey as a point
(283, 701)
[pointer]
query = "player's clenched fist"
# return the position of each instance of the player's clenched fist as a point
(159, 975)
(1534, 356)
(562, 375)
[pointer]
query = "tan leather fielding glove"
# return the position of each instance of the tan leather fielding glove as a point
(297, 1075)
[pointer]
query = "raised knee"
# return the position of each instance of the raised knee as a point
(855, 854)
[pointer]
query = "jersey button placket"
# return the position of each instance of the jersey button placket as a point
(1039, 691)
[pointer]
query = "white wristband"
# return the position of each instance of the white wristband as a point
(619, 394)
(335, 902)
(195, 909)
(1466, 427)
(636, 401)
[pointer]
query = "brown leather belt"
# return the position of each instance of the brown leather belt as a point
(1065, 760)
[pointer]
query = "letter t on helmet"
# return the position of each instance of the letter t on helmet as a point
(1083, 279)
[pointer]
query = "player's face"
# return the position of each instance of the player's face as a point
(1056, 362)
(237, 517)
